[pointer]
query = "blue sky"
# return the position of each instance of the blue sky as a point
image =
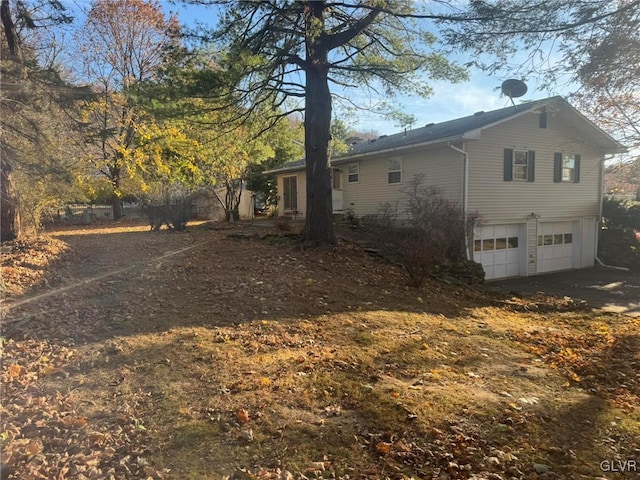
(481, 92)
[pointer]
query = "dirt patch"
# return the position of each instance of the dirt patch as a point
(231, 352)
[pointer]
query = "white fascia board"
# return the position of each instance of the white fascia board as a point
(472, 134)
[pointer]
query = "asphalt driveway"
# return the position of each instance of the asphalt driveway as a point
(609, 289)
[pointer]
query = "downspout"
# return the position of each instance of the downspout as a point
(465, 192)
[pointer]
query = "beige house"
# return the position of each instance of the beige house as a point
(533, 171)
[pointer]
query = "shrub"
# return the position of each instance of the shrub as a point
(352, 219)
(423, 230)
(620, 240)
(621, 214)
(173, 209)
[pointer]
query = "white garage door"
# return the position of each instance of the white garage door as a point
(555, 246)
(498, 248)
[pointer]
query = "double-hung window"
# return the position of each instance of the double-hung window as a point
(353, 173)
(566, 168)
(519, 165)
(394, 170)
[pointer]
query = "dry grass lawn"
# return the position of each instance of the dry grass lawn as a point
(230, 352)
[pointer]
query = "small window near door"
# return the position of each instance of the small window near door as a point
(513, 242)
(336, 174)
(290, 193)
(354, 173)
(568, 238)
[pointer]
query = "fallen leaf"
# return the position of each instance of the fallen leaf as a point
(242, 415)
(383, 448)
(14, 370)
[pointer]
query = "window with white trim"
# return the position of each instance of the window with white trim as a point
(394, 170)
(353, 173)
(521, 165)
(290, 193)
(566, 168)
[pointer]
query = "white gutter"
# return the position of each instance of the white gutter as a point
(465, 189)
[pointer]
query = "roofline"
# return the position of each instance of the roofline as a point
(535, 105)
(350, 158)
(285, 169)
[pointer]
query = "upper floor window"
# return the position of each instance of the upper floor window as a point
(353, 173)
(566, 168)
(394, 169)
(519, 165)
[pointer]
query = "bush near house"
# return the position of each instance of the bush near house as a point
(426, 233)
(620, 237)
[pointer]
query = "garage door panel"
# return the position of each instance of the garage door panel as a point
(499, 271)
(555, 246)
(499, 249)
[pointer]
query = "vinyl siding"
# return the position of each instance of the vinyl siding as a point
(498, 200)
(441, 166)
(301, 190)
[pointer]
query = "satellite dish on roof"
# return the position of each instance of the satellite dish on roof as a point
(513, 88)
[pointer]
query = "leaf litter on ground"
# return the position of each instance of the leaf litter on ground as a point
(248, 358)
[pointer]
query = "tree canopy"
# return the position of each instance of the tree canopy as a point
(285, 56)
(121, 43)
(594, 44)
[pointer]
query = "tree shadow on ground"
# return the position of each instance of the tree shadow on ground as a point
(135, 282)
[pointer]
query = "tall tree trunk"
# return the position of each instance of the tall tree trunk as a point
(10, 31)
(9, 218)
(116, 204)
(318, 228)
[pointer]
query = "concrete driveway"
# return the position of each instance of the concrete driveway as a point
(605, 288)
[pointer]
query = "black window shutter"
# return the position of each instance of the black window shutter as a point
(532, 166)
(576, 172)
(557, 167)
(508, 164)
